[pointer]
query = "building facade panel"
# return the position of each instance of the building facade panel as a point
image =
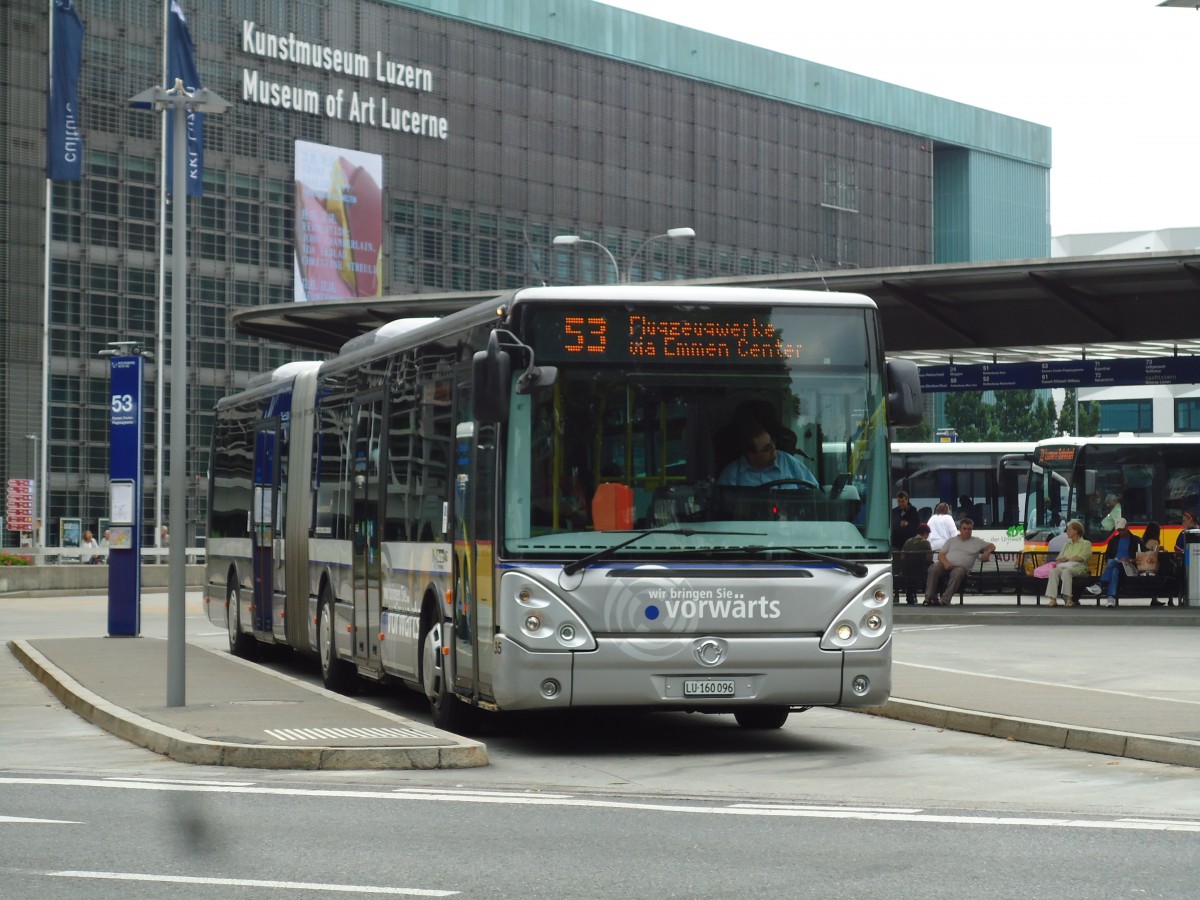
(570, 117)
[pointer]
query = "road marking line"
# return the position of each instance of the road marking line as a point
(254, 882)
(690, 808)
(19, 820)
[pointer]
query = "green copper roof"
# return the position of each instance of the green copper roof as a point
(593, 27)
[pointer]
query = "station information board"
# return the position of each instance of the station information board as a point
(1066, 373)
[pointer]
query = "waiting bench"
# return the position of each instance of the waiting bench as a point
(1142, 586)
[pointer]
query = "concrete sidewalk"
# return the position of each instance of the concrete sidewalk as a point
(1077, 688)
(237, 713)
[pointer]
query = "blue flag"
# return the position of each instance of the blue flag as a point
(181, 64)
(64, 141)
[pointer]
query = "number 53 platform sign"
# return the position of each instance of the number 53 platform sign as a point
(125, 495)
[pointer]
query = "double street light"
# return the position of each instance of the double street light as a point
(178, 100)
(674, 234)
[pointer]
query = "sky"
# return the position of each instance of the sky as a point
(1117, 81)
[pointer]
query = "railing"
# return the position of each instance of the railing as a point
(73, 556)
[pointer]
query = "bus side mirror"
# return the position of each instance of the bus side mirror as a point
(904, 404)
(491, 375)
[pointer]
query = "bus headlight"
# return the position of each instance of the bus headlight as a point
(536, 618)
(865, 622)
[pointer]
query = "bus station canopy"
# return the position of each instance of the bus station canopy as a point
(1093, 307)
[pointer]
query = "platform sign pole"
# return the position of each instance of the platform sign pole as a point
(125, 497)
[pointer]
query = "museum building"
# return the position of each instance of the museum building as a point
(493, 128)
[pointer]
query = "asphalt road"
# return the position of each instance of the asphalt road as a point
(199, 837)
(662, 805)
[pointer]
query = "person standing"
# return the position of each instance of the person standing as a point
(88, 548)
(941, 526)
(1113, 503)
(956, 558)
(905, 520)
(1189, 523)
(1072, 561)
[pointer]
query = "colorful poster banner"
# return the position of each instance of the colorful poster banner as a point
(339, 223)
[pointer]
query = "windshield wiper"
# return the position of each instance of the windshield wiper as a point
(608, 552)
(856, 569)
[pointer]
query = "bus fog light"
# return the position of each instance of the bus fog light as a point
(533, 623)
(845, 632)
(550, 688)
(567, 633)
(881, 597)
(874, 622)
(523, 595)
(860, 685)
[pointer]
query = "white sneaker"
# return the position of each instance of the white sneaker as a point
(1094, 590)
(1112, 601)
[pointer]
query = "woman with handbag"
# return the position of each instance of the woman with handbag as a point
(1071, 562)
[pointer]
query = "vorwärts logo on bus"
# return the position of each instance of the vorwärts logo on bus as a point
(664, 609)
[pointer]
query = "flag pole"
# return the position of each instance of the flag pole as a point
(160, 361)
(43, 455)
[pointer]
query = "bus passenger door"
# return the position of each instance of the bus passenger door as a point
(474, 560)
(263, 519)
(368, 444)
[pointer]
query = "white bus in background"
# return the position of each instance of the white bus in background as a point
(517, 507)
(986, 480)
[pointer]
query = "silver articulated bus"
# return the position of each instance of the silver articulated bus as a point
(529, 505)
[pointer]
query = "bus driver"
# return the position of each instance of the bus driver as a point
(762, 462)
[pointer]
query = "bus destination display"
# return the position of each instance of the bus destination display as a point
(610, 335)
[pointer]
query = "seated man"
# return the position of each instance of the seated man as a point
(956, 558)
(915, 557)
(762, 462)
(1119, 560)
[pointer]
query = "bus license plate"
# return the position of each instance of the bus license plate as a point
(708, 687)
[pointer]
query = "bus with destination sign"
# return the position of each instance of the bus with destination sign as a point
(529, 505)
(1141, 478)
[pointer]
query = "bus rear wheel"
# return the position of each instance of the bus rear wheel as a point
(762, 718)
(336, 674)
(240, 643)
(448, 712)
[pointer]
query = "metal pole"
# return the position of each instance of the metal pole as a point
(177, 527)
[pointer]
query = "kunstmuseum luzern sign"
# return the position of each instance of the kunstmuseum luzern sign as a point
(356, 105)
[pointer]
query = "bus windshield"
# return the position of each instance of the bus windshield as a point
(647, 431)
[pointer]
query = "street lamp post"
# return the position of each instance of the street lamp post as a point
(178, 101)
(566, 240)
(675, 234)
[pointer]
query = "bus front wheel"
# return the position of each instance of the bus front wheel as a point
(447, 710)
(762, 717)
(335, 673)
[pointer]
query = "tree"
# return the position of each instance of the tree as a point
(1013, 416)
(1043, 417)
(916, 433)
(1089, 417)
(967, 414)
